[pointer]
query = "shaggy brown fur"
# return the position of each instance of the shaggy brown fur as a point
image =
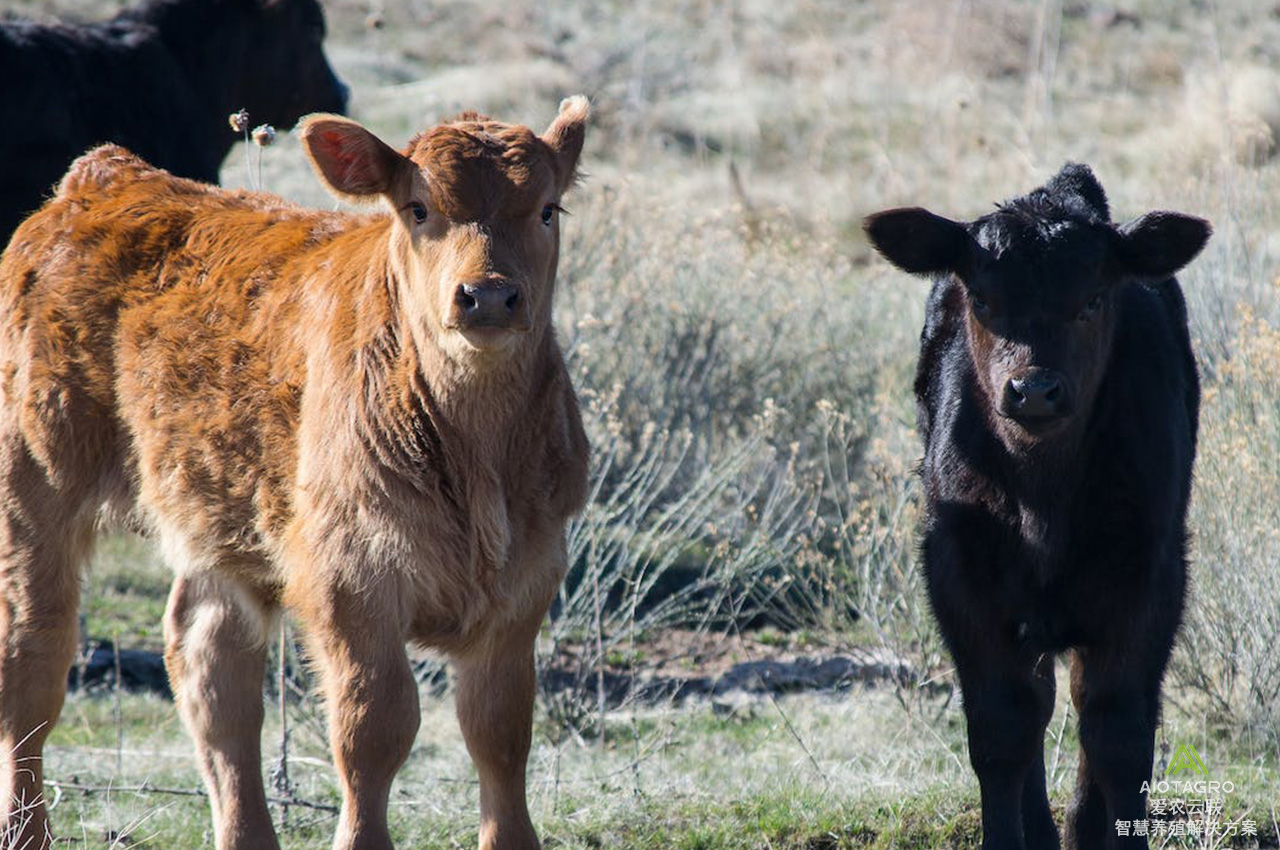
(365, 419)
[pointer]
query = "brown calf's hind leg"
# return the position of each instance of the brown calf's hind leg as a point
(215, 650)
(43, 540)
(357, 639)
(496, 684)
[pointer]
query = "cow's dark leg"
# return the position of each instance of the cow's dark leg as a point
(1008, 700)
(216, 652)
(44, 537)
(1001, 742)
(357, 636)
(495, 710)
(1087, 816)
(1118, 712)
(1037, 818)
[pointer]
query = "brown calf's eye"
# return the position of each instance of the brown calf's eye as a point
(419, 212)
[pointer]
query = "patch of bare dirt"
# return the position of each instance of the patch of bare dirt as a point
(680, 664)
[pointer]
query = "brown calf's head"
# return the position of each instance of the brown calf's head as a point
(476, 236)
(1042, 276)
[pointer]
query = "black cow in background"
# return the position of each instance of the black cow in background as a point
(160, 79)
(1058, 400)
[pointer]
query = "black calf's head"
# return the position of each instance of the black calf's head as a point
(275, 51)
(1042, 275)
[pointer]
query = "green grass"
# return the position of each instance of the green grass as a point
(124, 593)
(805, 773)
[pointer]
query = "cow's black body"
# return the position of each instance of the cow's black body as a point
(159, 79)
(1035, 544)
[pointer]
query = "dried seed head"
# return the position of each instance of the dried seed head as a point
(239, 121)
(264, 135)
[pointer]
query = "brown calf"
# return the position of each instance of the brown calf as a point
(365, 419)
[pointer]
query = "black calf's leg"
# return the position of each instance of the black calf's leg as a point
(1005, 746)
(1118, 712)
(1038, 828)
(1087, 816)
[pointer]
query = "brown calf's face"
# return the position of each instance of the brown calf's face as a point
(1042, 277)
(477, 206)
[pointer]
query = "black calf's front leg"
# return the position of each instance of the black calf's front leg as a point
(1118, 716)
(1007, 706)
(1037, 818)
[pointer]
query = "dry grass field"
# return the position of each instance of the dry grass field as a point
(745, 365)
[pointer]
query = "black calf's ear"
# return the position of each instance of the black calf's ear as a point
(1158, 244)
(1076, 180)
(917, 241)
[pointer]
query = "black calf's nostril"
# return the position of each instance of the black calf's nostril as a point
(1038, 396)
(513, 300)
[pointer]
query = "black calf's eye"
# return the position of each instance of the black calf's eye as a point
(549, 213)
(1086, 312)
(979, 306)
(419, 212)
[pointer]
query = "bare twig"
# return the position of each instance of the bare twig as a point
(1057, 745)
(148, 788)
(786, 720)
(119, 712)
(280, 781)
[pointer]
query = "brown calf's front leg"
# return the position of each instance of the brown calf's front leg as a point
(43, 539)
(215, 651)
(496, 684)
(358, 640)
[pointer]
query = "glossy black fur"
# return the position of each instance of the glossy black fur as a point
(160, 79)
(1072, 542)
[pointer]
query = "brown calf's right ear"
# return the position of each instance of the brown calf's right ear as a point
(355, 164)
(565, 136)
(917, 241)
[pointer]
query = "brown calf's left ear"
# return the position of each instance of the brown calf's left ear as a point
(355, 164)
(565, 136)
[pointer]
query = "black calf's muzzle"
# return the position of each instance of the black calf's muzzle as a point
(1037, 396)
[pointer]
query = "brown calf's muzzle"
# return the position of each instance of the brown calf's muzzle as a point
(491, 303)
